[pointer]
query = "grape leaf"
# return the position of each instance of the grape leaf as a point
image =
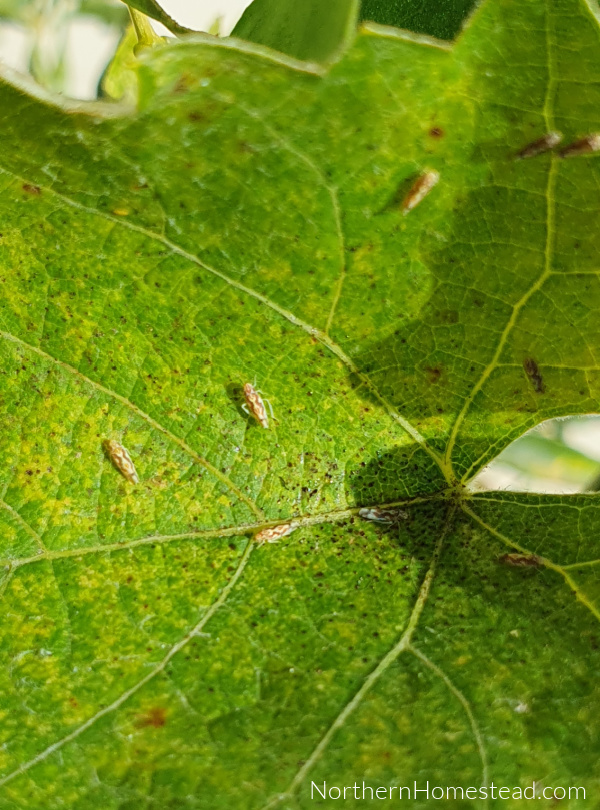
(438, 18)
(246, 223)
(312, 31)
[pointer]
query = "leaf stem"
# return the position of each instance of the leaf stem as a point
(147, 37)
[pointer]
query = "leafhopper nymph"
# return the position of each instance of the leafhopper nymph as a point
(274, 534)
(419, 190)
(541, 145)
(521, 560)
(121, 460)
(591, 143)
(255, 405)
(380, 515)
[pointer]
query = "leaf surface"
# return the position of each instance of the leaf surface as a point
(438, 18)
(311, 31)
(246, 223)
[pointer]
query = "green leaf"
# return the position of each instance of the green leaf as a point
(438, 18)
(15, 9)
(120, 78)
(312, 30)
(246, 223)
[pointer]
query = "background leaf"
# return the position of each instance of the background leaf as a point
(120, 78)
(44, 40)
(246, 222)
(311, 31)
(438, 18)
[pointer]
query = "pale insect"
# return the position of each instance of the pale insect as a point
(543, 144)
(121, 460)
(591, 143)
(380, 515)
(419, 190)
(521, 560)
(255, 405)
(274, 534)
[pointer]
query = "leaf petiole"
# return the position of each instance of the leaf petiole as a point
(147, 37)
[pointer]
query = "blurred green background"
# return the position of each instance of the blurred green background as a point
(64, 44)
(560, 455)
(67, 45)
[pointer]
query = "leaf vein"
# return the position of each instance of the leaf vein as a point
(139, 412)
(116, 704)
(318, 334)
(466, 706)
(30, 531)
(388, 659)
(538, 283)
(225, 531)
(547, 563)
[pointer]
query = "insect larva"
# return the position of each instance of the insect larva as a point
(274, 534)
(543, 144)
(521, 560)
(121, 460)
(591, 143)
(533, 372)
(420, 189)
(255, 405)
(379, 515)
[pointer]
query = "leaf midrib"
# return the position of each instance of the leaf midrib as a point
(333, 516)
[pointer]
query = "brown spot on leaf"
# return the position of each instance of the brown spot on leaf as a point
(433, 373)
(182, 85)
(156, 717)
(583, 146)
(533, 372)
(30, 189)
(436, 132)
